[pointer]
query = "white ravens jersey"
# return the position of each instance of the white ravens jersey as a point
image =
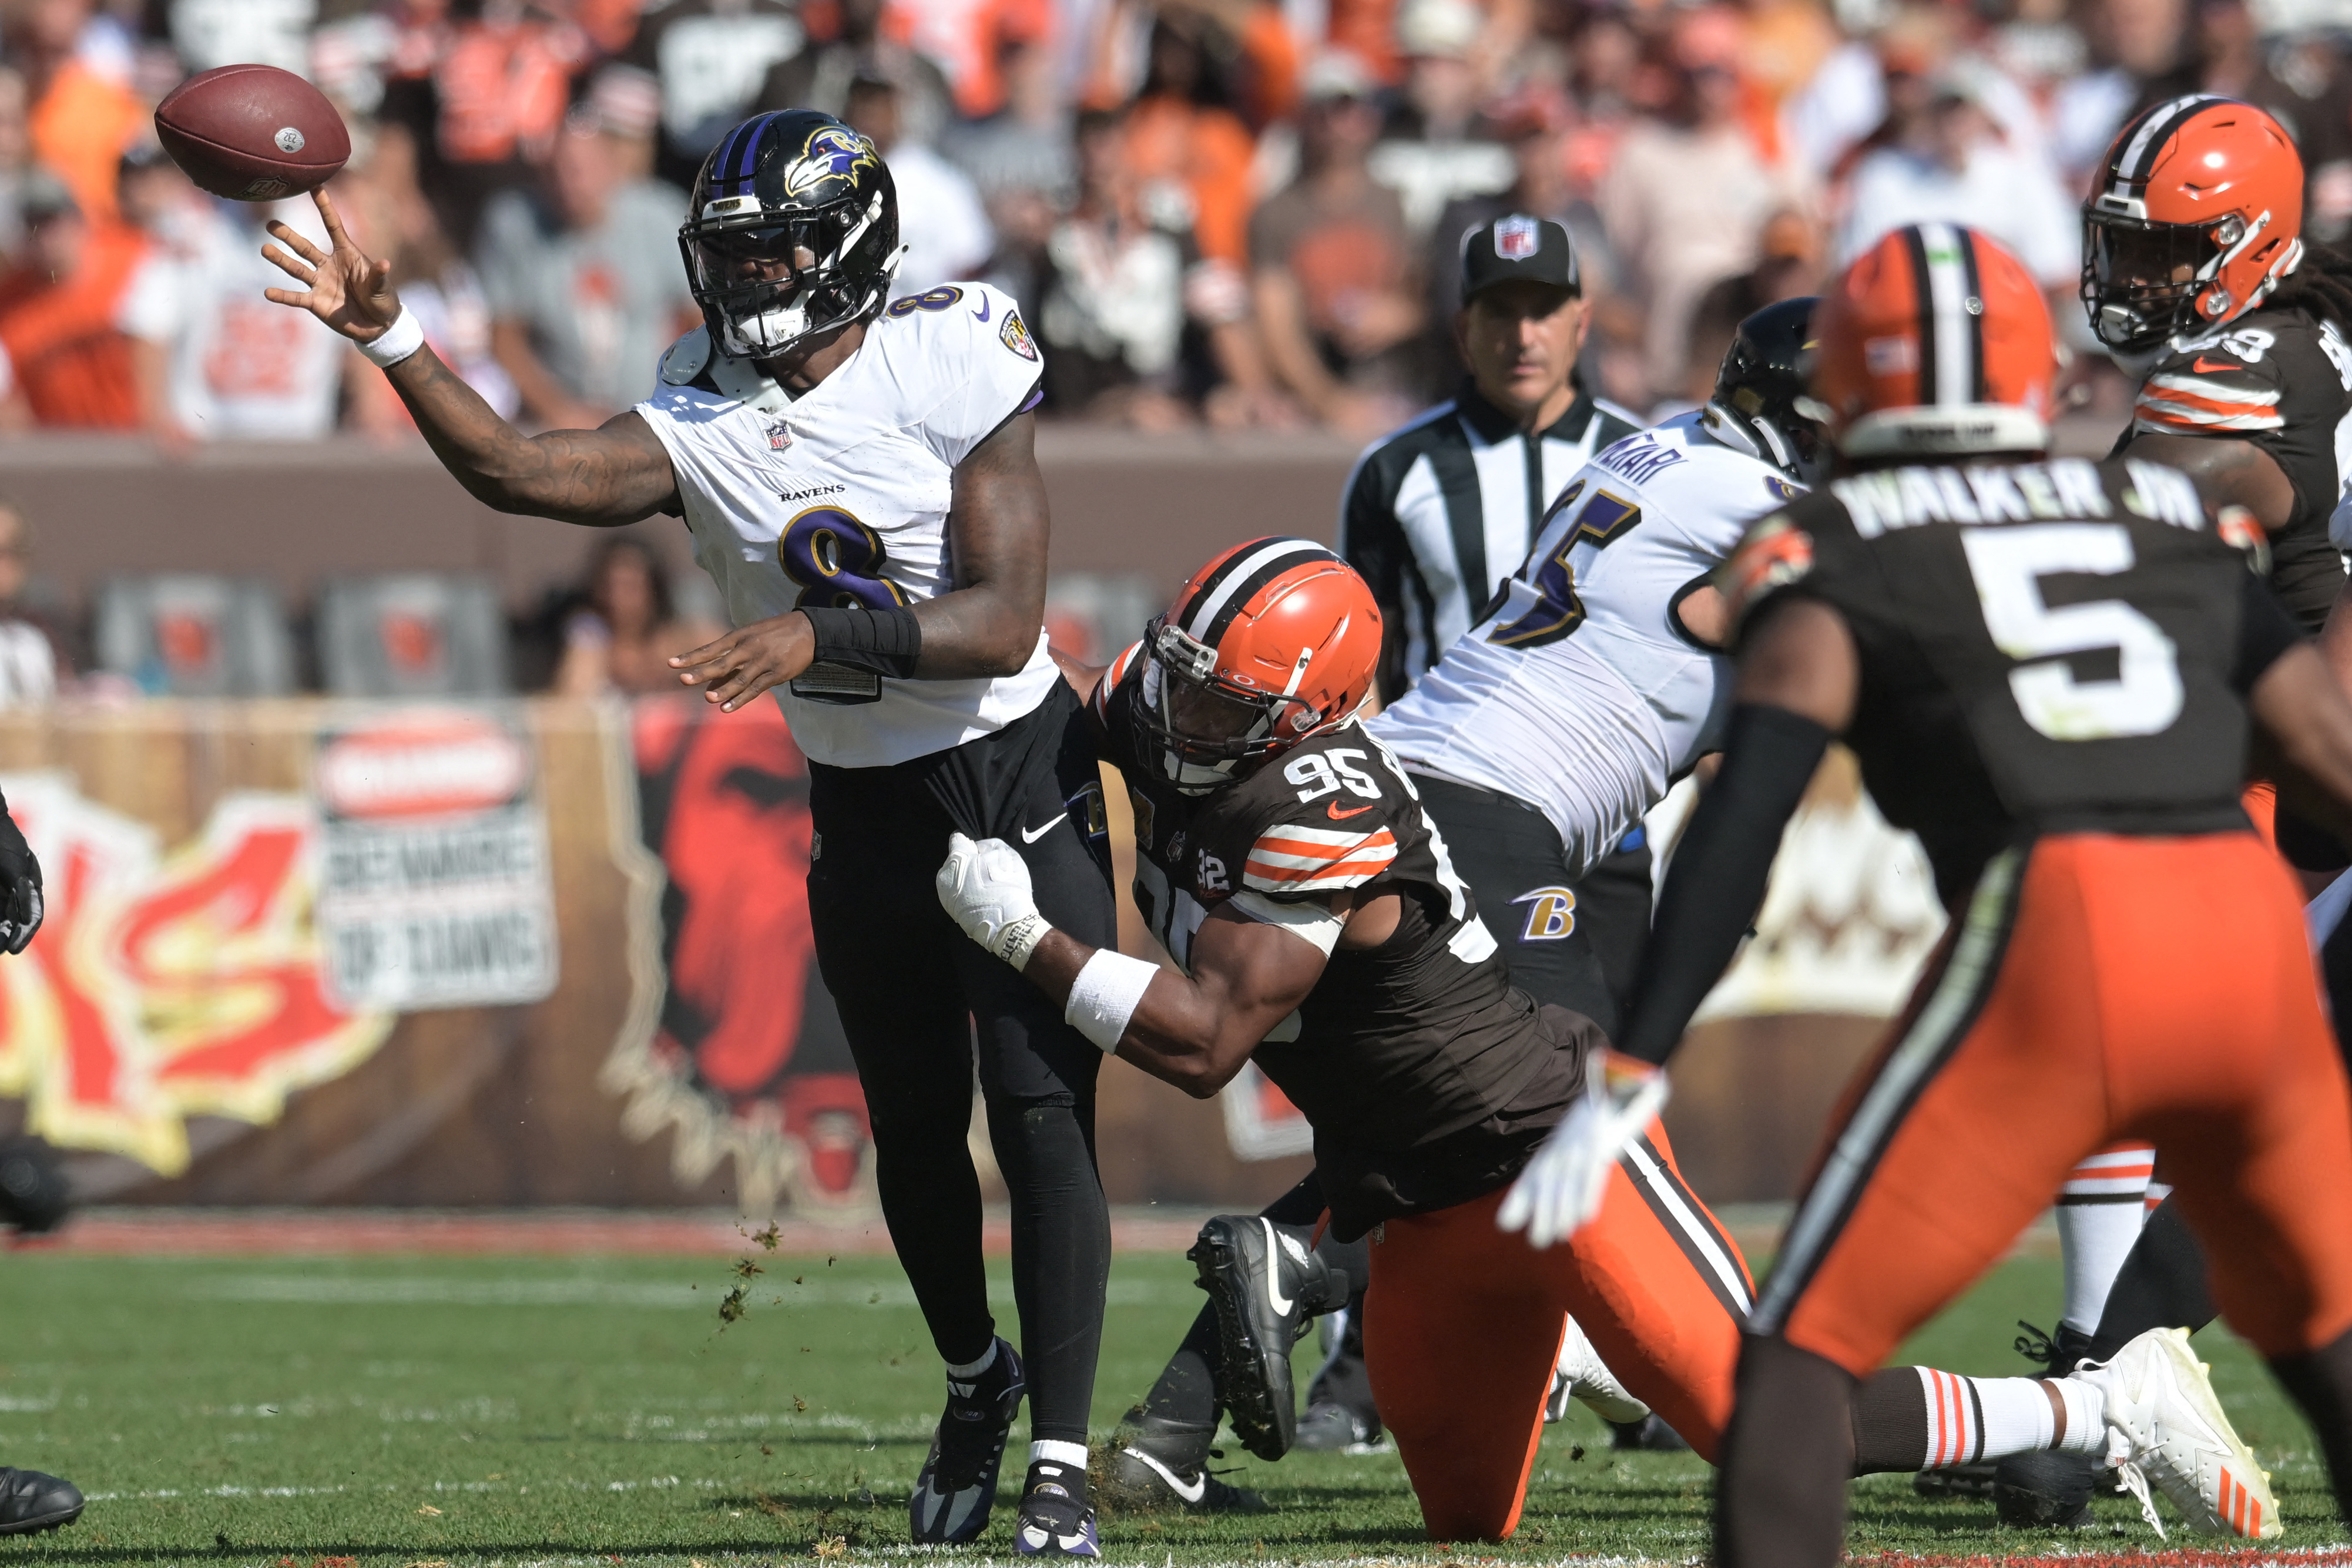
(840, 496)
(1577, 692)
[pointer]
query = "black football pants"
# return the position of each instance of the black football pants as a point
(916, 997)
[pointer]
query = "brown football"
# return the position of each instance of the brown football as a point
(252, 133)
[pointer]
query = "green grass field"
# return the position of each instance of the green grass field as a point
(404, 1411)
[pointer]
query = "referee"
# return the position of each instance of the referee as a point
(1434, 518)
(1440, 513)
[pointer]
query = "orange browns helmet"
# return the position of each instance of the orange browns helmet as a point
(2196, 216)
(1935, 342)
(1269, 642)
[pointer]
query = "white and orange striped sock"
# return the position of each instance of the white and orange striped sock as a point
(2100, 1211)
(1978, 1418)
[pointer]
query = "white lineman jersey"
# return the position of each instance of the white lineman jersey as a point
(1578, 693)
(840, 496)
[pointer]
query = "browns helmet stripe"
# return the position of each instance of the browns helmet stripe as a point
(1237, 579)
(1951, 342)
(2137, 162)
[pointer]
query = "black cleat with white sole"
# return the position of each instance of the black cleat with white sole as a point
(1158, 1463)
(957, 1486)
(31, 1502)
(1266, 1287)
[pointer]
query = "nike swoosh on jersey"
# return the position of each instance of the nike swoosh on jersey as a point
(1337, 815)
(2205, 367)
(983, 312)
(1194, 1493)
(1031, 835)
(1274, 1268)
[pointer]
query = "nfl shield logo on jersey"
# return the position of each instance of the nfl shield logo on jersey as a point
(1516, 237)
(779, 434)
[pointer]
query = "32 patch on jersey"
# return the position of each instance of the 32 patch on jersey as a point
(1014, 335)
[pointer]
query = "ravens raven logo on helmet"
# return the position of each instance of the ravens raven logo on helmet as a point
(833, 152)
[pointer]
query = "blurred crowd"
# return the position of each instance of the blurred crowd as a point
(1246, 212)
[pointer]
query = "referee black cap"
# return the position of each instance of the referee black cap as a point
(1519, 246)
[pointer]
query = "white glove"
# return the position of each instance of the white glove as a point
(984, 887)
(1561, 1187)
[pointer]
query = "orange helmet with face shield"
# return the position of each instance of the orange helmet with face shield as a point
(1935, 342)
(2196, 216)
(1269, 642)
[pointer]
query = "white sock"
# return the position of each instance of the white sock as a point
(2086, 1417)
(964, 1372)
(2100, 1211)
(1071, 1454)
(1975, 1418)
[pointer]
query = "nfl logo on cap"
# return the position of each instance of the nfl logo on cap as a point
(1516, 237)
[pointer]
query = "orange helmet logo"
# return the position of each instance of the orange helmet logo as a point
(2196, 216)
(1935, 342)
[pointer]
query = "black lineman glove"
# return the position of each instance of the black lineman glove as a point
(20, 886)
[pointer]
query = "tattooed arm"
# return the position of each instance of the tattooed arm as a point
(602, 477)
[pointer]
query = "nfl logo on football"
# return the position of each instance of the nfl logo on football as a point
(1516, 237)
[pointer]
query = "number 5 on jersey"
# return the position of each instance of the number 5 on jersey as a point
(837, 561)
(2008, 563)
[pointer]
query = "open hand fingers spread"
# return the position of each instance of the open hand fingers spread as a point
(296, 242)
(326, 214)
(286, 264)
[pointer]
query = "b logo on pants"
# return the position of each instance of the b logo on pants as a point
(1551, 914)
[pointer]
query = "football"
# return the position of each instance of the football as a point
(252, 133)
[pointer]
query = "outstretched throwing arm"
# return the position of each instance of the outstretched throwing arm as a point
(616, 473)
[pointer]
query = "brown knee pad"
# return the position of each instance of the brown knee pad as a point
(1781, 1500)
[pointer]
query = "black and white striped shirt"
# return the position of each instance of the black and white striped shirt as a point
(1439, 513)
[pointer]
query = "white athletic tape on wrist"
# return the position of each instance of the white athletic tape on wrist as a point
(1106, 995)
(399, 340)
(1019, 938)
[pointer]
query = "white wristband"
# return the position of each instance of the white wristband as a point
(1106, 995)
(399, 340)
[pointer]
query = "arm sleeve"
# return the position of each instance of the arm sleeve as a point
(2265, 631)
(1720, 870)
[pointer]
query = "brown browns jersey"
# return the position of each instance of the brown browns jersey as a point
(1427, 1076)
(2281, 379)
(2044, 647)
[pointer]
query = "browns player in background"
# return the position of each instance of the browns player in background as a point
(2047, 670)
(2197, 277)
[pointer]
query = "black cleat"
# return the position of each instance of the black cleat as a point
(1330, 1427)
(1266, 1287)
(958, 1485)
(31, 1502)
(1056, 1521)
(1649, 1435)
(1955, 1480)
(2044, 1490)
(1156, 1463)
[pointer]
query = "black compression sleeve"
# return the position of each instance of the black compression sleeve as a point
(1716, 881)
(886, 641)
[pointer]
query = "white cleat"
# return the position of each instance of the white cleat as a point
(2165, 1427)
(1581, 1374)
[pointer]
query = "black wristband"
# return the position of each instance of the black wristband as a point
(886, 641)
(1720, 869)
